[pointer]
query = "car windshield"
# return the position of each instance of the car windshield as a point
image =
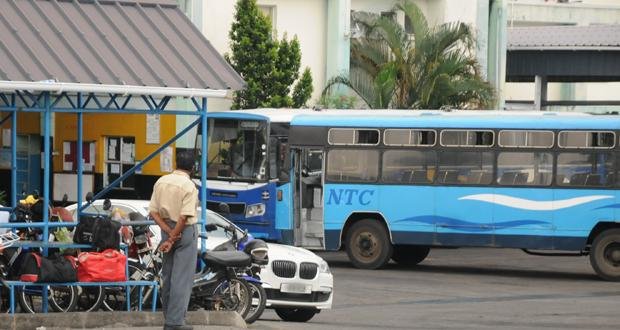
(221, 222)
(237, 150)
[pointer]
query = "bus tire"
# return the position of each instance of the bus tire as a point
(410, 255)
(368, 244)
(605, 255)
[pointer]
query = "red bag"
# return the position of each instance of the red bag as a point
(106, 266)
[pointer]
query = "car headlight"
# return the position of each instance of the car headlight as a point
(255, 210)
(324, 267)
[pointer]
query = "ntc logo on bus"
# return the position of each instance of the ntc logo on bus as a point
(350, 196)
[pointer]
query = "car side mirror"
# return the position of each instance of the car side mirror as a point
(211, 227)
(107, 205)
(89, 197)
(65, 198)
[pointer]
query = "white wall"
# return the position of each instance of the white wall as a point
(305, 18)
(308, 20)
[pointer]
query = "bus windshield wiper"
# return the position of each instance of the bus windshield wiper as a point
(233, 179)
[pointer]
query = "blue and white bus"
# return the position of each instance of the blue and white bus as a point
(247, 152)
(392, 184)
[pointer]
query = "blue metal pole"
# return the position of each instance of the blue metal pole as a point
(80, 123)
(14, 159)
(203, 176)
(46, 168)
(46, 184)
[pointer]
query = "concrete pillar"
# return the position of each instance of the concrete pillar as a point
(482, 35)
(338, 34)
(540, 93)
(497, 49)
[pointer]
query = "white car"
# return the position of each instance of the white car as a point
(298, 282)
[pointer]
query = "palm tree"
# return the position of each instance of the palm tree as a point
(425, 68)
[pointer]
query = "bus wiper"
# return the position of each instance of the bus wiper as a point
(250, 180)
(233, 179)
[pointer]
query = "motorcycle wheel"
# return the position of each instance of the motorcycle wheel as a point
(233, 295)
(60, 299)
(258, 303)
(115, 298)
(90, 298)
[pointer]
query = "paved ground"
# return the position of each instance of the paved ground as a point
(467, 288)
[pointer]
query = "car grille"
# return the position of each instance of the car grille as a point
(314, 297)
(307, 270)
(283, 268)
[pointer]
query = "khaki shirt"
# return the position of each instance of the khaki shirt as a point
(174, 195)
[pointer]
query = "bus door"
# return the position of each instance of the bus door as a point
(308, 197)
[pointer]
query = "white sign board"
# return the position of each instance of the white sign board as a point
(152, 129)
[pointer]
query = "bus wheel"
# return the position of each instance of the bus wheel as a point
(605, 255)
(410, 255)
(368, 244)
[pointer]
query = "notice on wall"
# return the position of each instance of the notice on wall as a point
(152, 129)
(112, 143)
(128, 152)
(67, 161)
(115, 169)
(165, 160)
(6, 137)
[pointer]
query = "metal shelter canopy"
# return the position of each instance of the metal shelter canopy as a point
(544, 54)
(104, 56)
(148, 43)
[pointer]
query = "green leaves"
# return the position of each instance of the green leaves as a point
(303, 89)
(269, 67)
(428, 68)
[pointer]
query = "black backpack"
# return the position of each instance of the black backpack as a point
(106, 235)
(84, 230)
(58, 269)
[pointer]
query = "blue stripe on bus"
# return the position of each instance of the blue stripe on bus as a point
(567, 243)
(469, 226)
(610, 206)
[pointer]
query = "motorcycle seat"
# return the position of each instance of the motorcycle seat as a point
(227, 258)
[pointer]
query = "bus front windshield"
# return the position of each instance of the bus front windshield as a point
(237, 149)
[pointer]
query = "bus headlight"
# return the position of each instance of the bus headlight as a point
(324, 267)
(255, 210)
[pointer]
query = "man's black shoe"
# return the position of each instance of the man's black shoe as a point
(178, 327)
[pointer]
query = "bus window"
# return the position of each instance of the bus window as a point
(585, 169)
(409, 137)
(463, 138)
(465, 167)
(353, 136)
(409, 166)
(526, 139)
(524, 168)
(352, 165)
(586, 140)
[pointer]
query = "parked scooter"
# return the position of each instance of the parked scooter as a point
(218, 287)
(256, 249)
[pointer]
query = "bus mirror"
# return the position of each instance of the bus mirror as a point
(284, 162)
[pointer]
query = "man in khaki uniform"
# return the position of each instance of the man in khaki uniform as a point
(173, 207)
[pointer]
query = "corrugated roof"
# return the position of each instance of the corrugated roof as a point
(564, 37)
(109, 42)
